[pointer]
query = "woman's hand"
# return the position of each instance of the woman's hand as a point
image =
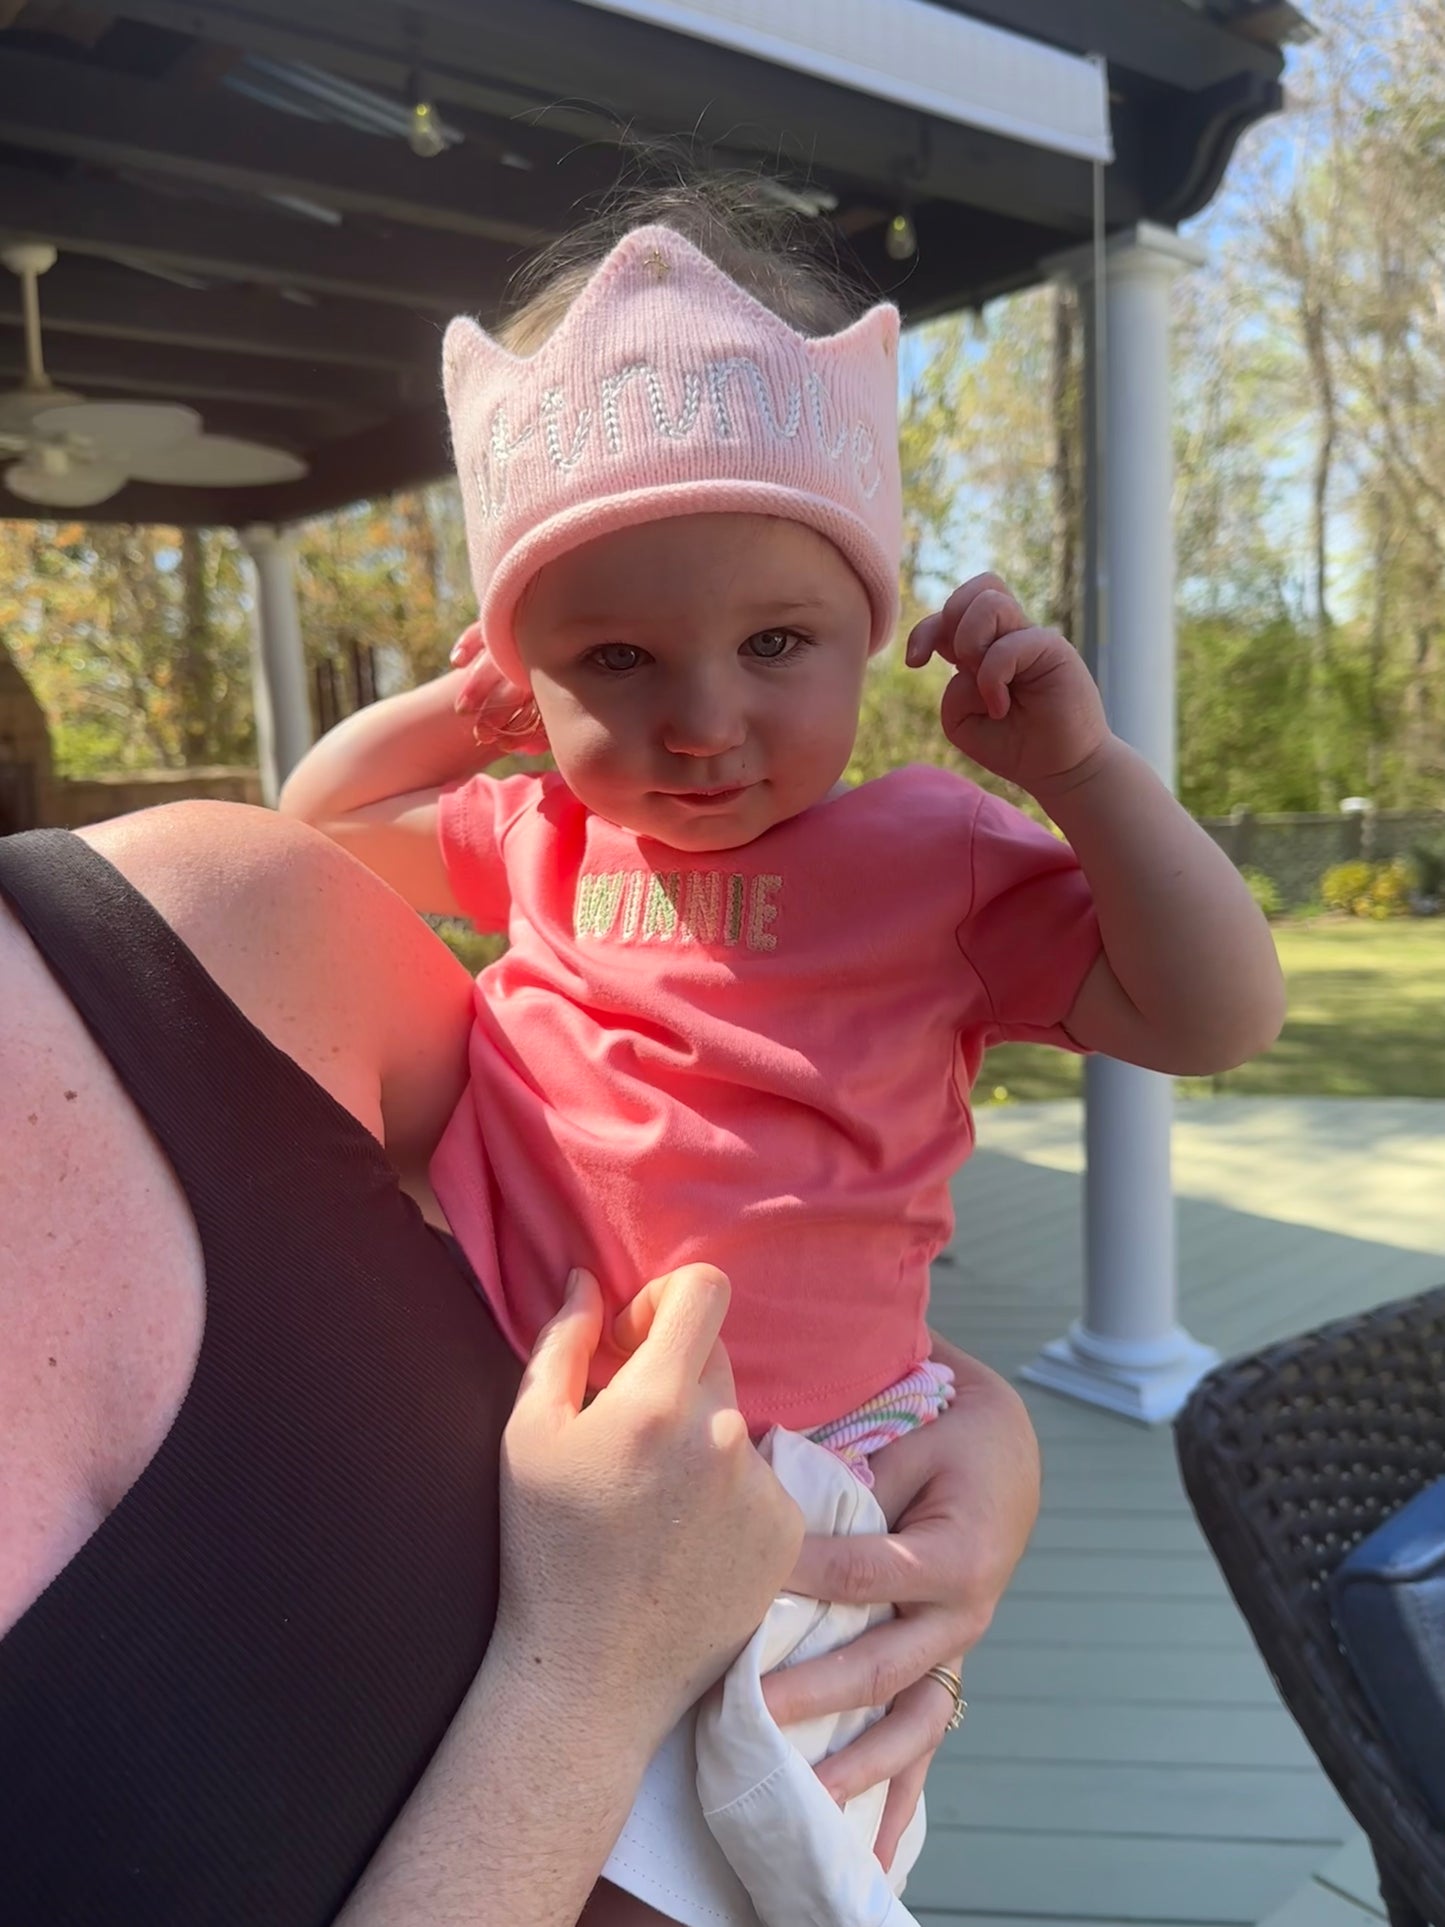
(503, 716)
(962, 1495)
(643, 1538)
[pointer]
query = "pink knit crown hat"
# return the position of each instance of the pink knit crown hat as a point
(668, 390)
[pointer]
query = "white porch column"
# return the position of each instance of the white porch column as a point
(1128, 1351)
(278, 661)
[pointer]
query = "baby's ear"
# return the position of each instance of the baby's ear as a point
(465, 349)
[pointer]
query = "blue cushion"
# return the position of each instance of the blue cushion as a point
(1388, 1603)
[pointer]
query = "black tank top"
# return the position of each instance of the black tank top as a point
(212, 1715)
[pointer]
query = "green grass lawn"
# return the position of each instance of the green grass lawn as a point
(1366, 1019)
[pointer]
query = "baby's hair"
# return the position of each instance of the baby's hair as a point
(734, 219)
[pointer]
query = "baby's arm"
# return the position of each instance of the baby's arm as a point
(372, 784)
(1188, 982)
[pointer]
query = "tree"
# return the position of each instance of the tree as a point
(134, 640)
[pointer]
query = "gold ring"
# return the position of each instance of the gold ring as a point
(524, 721)
(954, 1684)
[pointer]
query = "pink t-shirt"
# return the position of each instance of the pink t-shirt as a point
(760, 1058)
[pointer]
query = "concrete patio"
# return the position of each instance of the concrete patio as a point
(1125, 1758)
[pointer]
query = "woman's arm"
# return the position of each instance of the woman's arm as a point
(642, 1540)
(518, 1810)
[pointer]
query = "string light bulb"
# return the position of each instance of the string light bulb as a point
(424, 135)
(901, 240)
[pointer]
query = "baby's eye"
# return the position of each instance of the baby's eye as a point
(771, 644)
(615, 657)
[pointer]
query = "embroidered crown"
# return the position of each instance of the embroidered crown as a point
(668, 390)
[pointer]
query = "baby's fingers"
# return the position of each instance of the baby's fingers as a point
(1000, 662)
(923, 639)
(1018, 658)
(467, 647)
(982, 605)
(989, 615)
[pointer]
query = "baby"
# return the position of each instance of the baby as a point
(743, 1004)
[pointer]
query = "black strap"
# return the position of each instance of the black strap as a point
(214, 1712)
(174, 1037)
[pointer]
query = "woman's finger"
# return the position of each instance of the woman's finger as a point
(716, 1378)
(913, 1730)
(870, 1569)
(880, 1664)
(632, 1324)
(685, 1323)
(555, 1381)
(905, 1790)
(922, 1563)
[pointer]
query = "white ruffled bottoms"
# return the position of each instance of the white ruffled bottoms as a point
(732, 1827)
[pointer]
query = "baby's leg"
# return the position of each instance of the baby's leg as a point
(610, 1907)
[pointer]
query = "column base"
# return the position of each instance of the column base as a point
(1148, 1383)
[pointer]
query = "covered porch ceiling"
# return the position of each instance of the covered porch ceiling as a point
(243, 225)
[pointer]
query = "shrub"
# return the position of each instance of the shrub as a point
(472, 948)
(1390, 889)
(1373, 890)
(1346, 886)
(1264, 890)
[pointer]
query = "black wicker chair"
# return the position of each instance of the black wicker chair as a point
(1290, 1457)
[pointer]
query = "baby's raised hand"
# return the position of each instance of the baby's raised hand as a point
(503, 716)
(1021, 703)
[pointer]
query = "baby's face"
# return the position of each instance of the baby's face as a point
(700, 677)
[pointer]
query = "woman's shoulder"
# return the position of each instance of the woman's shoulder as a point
(100, 1287)
(101, 1292)
(325, 959)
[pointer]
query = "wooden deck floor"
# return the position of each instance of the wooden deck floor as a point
(1125, 1758)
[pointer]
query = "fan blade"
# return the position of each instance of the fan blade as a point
(20, 406)
(219, 461)
(77, 485)
(117, 430)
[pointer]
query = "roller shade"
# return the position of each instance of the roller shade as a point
(914, 53)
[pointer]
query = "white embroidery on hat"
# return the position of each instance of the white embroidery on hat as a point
(734, 383)
(489, 471)
(865, 461)
(612, 386)
(717, 381)
(817, 396)
(553, 402)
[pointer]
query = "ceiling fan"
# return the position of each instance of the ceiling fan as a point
(75, 453)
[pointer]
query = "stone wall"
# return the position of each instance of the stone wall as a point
(73, 802)
(1295, 851)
